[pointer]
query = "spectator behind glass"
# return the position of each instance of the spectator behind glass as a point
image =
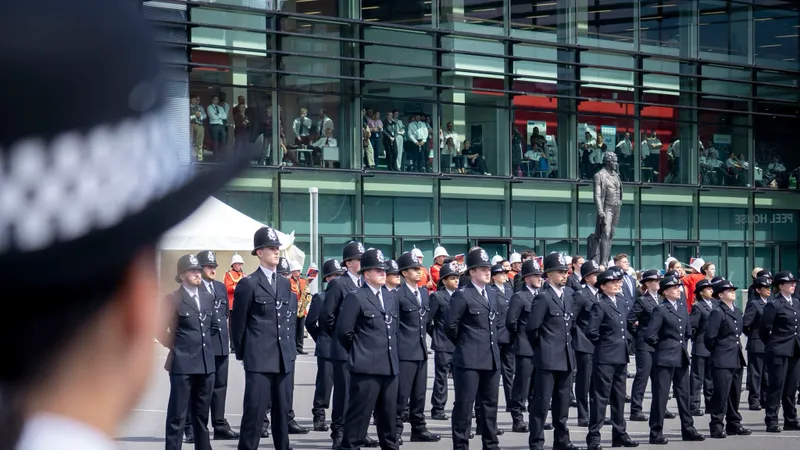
(475, 161)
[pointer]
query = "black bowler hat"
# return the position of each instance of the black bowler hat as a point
(702, 284)
(477, 257)
(531, 267)
(607, 276)
(186, 263)
(649, 275)
(207, 258)
(723, 286)
(717, 279)
(761, 282)
(589, 267)
(283, 266)
(764, 273)
(668, 282)
(555, 261)
(265, 237)
(782, 277)
(392, 268)
(372, 259)
(448, 270)
(352, 250)
(498, 268)
(408, 260)
(331, 267)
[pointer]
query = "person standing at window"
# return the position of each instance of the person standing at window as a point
(302, 128)
(197, 115)
(217, 119)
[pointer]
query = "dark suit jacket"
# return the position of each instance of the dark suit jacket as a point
(439, 302)
(549, 329)
(607, 329)
(642, 312)
(471, 324)
(669, 332)
(574, 282)
(723, 337)
(780, 327)
(263, 324)
(503, 301)
(629, 292)
(582, 302)
(699, 320)
(752, 323)
(413, 324)
(188, 335)
(336, 291)
(363, 331)
(220, 339)
(316, 330)
(519, 309)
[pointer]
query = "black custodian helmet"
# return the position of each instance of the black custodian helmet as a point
(723, 286)
(782, 277)
(531, 267)
(668, 282)
(477, 257)
(607, 276)
(555, 261)
(588, 268)
(352, 250)
(207, 258)
(186, 263)
(283, 266)
(448, 270)
(331, 267)
(372, 259)
(408, 260)
(265, 237)
(392, 268)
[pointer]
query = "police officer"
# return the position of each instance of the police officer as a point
(393, 279)
(582, 302)
(752, 290)
(471, 324)
(440, 343)
(519, 309)
(669, 332)
(262, 323)
(701, 379)
(331, 269)
(757, 377)
(607, 329)
(190, 362)
(723, 338)
(780, 331)
(412, 349)
(367, 329)
(504, 291)
(549, 331)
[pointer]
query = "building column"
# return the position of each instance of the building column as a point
(567, 132)
(687, 126)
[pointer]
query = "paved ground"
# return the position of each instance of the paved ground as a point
(145, 429)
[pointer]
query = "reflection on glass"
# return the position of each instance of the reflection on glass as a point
(724, 27)
(774, 130)
(535, 20)
(660, 26)
(407, 12)
(609, 23)
(474, 16)
(776, 37)
(598, 135)
(535, 151)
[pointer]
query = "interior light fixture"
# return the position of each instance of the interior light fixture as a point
(547, 4)
(785, 36)
(763, 19)
(540, 16)
(483, 9)
(770, 45)
(600, 11)
(709, 13)
(363, 8)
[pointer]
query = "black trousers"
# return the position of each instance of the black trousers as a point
(507, 371)
(183, 391)
(470, 384)
(701, 379)
(583, 383)
(341, 383)
(609, 384)
(521, 389)
(264, 391)
(550, 385)
(391, 153)
(323, 388)
(757, 378)
(644, 372)
(724, 404)
(783, 379)
(218, 395)
(663, 377)
(368, 393)
(289, 398)
(411, 389)
(300, 333)
(442, 365)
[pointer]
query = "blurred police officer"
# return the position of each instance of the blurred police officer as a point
(412, 349)
(781, 335)
(549, 331)
(582, 302)
(757, 377)
(367, 329)
(504, 290)
(723, 336)
(669, 332)
(752, 290)
(575, 280)
(638, 319)
(262, 324)
(190, 362)
(701, 380)
(331, 269)
(470, 322)
(607, 330)
(393, 278)
(441, 345)
(519, 283)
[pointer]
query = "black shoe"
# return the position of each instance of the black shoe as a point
(471, 435)
(693, 437)
(627, 443)
(755, 407)
(188, 439)
(399, 439)
(595, 447)
(698, 413)
(320, 425)
(371, 443)
(670, 415)
(548, 426)
(627, 399)
(661, 440)
(740, 432)
(500, 431)
(301, 352)
(440, 415)
(224, 433)
(791, 426)
(718, 435)
(573, 403)
(638, 416)
(265, 432)
(607, 421)
(424, 436)
(583, 423)
(337, 437)
(519, 427)
(295, 428)
(569, 446)
(630, 375)
(773, 429)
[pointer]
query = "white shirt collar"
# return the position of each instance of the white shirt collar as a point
(49, 431)
(450, 292)
(763, 300)
(191, 291)
(559, 291)
(592, 289)
(412, 287)
(355, 278)
(374, 291)
(268, 273)
(673, 303)
(533, 290)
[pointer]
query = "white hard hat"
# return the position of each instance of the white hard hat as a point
(440, 251)
(417, 252)
(697, 264)
(496, 259)
(569, 259)
(515, 258)
(236, 259)
(294, 265)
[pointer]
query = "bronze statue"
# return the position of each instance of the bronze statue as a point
(607, 189)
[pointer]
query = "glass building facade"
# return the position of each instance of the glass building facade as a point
(517, 101)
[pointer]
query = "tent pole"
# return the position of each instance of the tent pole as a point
(314, 239)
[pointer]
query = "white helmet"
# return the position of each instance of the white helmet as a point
(417, 252)
(697, 264)
(236, 259)
(515, 258)
(439, 251)
(294, 265)
(496, 259)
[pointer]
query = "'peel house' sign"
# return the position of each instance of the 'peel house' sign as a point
(742, 219)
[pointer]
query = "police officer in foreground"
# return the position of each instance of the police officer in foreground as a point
(701, 380)
(757, 376)
(504, 290)
(190, 362)
(669, 332)
(331, 269)
(549, 331)
(442, 346)
(582, 302)
(781, 335)
(367, 329)
(607, 329)
(723, 336)
(262, 323)
(470, 323)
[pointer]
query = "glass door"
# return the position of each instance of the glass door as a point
(685, 252)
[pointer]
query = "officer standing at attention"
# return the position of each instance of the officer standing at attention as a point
(367, 329)
(440, 343)
(723, 337)
(781, 335)
(704, 303)
(323, 386)
(549, 330)
(262, 323)
(757, 377)
(190, 362)
(607, 329)
(519, 309)
(412, 349)
(504, 291)
(393, 279)
(669, 332)
(582, 302)
(470, 323)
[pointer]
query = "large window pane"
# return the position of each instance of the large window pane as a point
(774, 131)
(653, 255)
(542, 211)
(776, 43)
(723, 217)
(257, 205)
(736, 269)
(776, 217)
(387, 246)
(317, 130)
(454, 216)
(473, 16)
(789, 255)
(587, 214)
(336, 203)
(668, 214)
(480, 206)
(412, 12)
(535, 20)
(724, 27)
(765, 256)
(663, 26)
(388, 213)
(332, 246)
(598, 135)
(609, 23)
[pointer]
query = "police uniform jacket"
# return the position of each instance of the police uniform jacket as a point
(471, 323)
(582, 302)
(220, 340)
(699, 320)
(752, 322)
(320, 334)
(188, 336)
(263, 322)
(574, 282)
(642, 312)
(413, 324)
(607, 329)
(549, 329)
(669, 332)
(335, 293)
(723, 337)
(439, 302)
(503, 301)
(519, 308)
(367, 330)
(780, 327)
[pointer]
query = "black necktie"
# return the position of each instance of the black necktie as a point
(272, 283)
